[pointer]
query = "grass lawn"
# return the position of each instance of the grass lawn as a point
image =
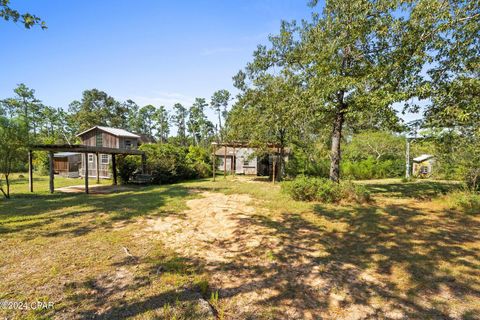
(238, 250)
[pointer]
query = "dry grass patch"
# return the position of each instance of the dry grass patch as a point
(244, 249)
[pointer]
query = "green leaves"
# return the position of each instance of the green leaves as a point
(28, 20)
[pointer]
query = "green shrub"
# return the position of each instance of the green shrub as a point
(324, 190)
(472, 179)
(407, 180)
(126, 166)
(371, 168)
(168, 163)
(352, 192)
(467, 201)
(199, 161)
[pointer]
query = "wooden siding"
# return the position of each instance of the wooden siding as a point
(60, 164)
(108, 140)
(133, 143)
(67, 166)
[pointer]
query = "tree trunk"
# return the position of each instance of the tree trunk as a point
(7, 181)
(220, 133)
(335, 153)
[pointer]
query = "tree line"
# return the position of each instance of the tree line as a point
(325, 88)
(25, 120)
(45, 124)
(343, 71)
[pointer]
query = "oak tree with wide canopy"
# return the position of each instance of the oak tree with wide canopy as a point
(356, 59)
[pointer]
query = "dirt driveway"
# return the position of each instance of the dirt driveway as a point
(264, 266)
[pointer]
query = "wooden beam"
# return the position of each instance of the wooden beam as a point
(144, 163)
(213, 163)
(274, 167)
(234, 161)
(86, 173)
(84, 149)
(30, 170)
(114, 169)
(225, 162)
(98, 168)
(50, 158)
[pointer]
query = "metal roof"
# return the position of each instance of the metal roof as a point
(422, 158)
(114, 131)
(65, 154)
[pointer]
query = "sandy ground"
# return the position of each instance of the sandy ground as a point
(93, 189)
(222, 232)
(261, 264)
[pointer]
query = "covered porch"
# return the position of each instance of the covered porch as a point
(85, 151)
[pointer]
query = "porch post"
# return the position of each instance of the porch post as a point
(213, 162)
(50, 156)
(98, 168)
(225, 162)
(234, 161)
(114, 169)
(407, 159)
(274, 165)
(30, 171)
(144, 163)
(86, 173)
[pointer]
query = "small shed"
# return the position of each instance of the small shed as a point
(243, 159)
(423, 165)
(67, 164)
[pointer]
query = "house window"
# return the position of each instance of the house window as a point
(246, 163)
(90, 158)
(128, 144)
(104, 159)
(99, 140)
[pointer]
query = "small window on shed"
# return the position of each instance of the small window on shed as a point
(90, 158)
(128, 144)
(105, 159)
(99, 139)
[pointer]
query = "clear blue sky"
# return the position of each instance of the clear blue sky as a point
(151, 51)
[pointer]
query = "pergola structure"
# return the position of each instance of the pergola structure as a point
(53, 148)
(241, 144)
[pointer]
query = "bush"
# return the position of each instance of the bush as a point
(168, 163)
(472, 179)
(126, 167)
(408, 180)
(198, 160)
(371, 168)
(317, 189)
(466, 201)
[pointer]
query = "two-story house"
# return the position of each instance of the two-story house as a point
(107, 137)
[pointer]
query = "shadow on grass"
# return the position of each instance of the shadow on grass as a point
(432, 249)
(419, 190)
(103, 297)
(377, 239)
(30, 211)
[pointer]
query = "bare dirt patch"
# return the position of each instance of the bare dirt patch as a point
(211, 229)
(93, 189)
(267, 265)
